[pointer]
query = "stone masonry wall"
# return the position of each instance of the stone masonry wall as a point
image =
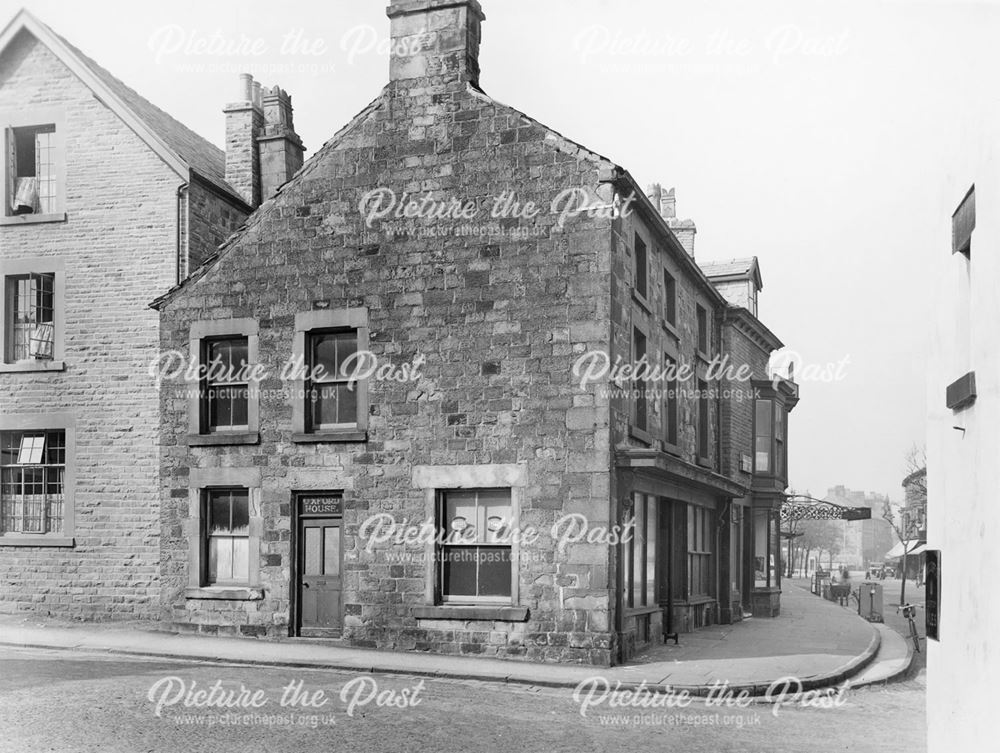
(212, 219)
(118, 245)
(499, 318)
(648, 315)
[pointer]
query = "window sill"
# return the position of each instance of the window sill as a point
(208, 440)
(641, 435)
(29, 540)
(672, 449)
(447, 612)
(32, 219)
(227, 593)
(670, 328)
(28, 366)
(695, 601)
(641, 300)
(633, 611)
(318, 437)
(703, 462)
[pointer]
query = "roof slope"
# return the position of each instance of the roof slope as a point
(206, 159)
(178, 145)
(747, 267)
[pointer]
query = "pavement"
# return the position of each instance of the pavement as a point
(814, 640)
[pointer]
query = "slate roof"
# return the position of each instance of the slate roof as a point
(206, 159)
(732, 267)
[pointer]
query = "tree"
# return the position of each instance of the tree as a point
(821, 535)
(906, 519)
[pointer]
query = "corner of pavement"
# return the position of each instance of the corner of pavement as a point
(815, 641)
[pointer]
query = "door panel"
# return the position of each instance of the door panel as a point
(319, 577)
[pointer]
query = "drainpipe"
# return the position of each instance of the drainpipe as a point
(180, 241)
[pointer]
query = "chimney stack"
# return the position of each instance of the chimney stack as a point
(435, 39)
(665, 203)
(262, 149)
(279, 148)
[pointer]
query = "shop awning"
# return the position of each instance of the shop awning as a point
(913, 545)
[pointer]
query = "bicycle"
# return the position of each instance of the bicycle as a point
(909, 612)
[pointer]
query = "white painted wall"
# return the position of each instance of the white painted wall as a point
(964, 466)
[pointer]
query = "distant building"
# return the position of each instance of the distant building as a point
(864, 541)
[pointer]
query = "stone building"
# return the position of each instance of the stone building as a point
(107, 201)
(490, 488)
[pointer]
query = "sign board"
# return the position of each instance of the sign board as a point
(932, 592)
(858, 513)
(321, 504)
(746, 463)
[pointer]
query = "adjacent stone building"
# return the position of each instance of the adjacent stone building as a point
(483, 485)
(107, 201)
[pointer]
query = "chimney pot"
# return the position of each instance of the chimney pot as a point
(245, 93)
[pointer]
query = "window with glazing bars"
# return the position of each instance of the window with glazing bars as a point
(227, 533)
(31, 170)
(32, 481)
(332, 400)
(475, 535)
(226, 395)
(30, 317)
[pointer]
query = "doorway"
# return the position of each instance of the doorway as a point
(318, 566)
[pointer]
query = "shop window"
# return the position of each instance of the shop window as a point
(640, 559)
(32, 482)
(699, 551)
(766, 546)
(474, 555)
(227, 537)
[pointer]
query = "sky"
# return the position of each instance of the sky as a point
(818, 136)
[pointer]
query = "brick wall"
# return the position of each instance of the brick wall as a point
(118, 246)
(500, 321)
